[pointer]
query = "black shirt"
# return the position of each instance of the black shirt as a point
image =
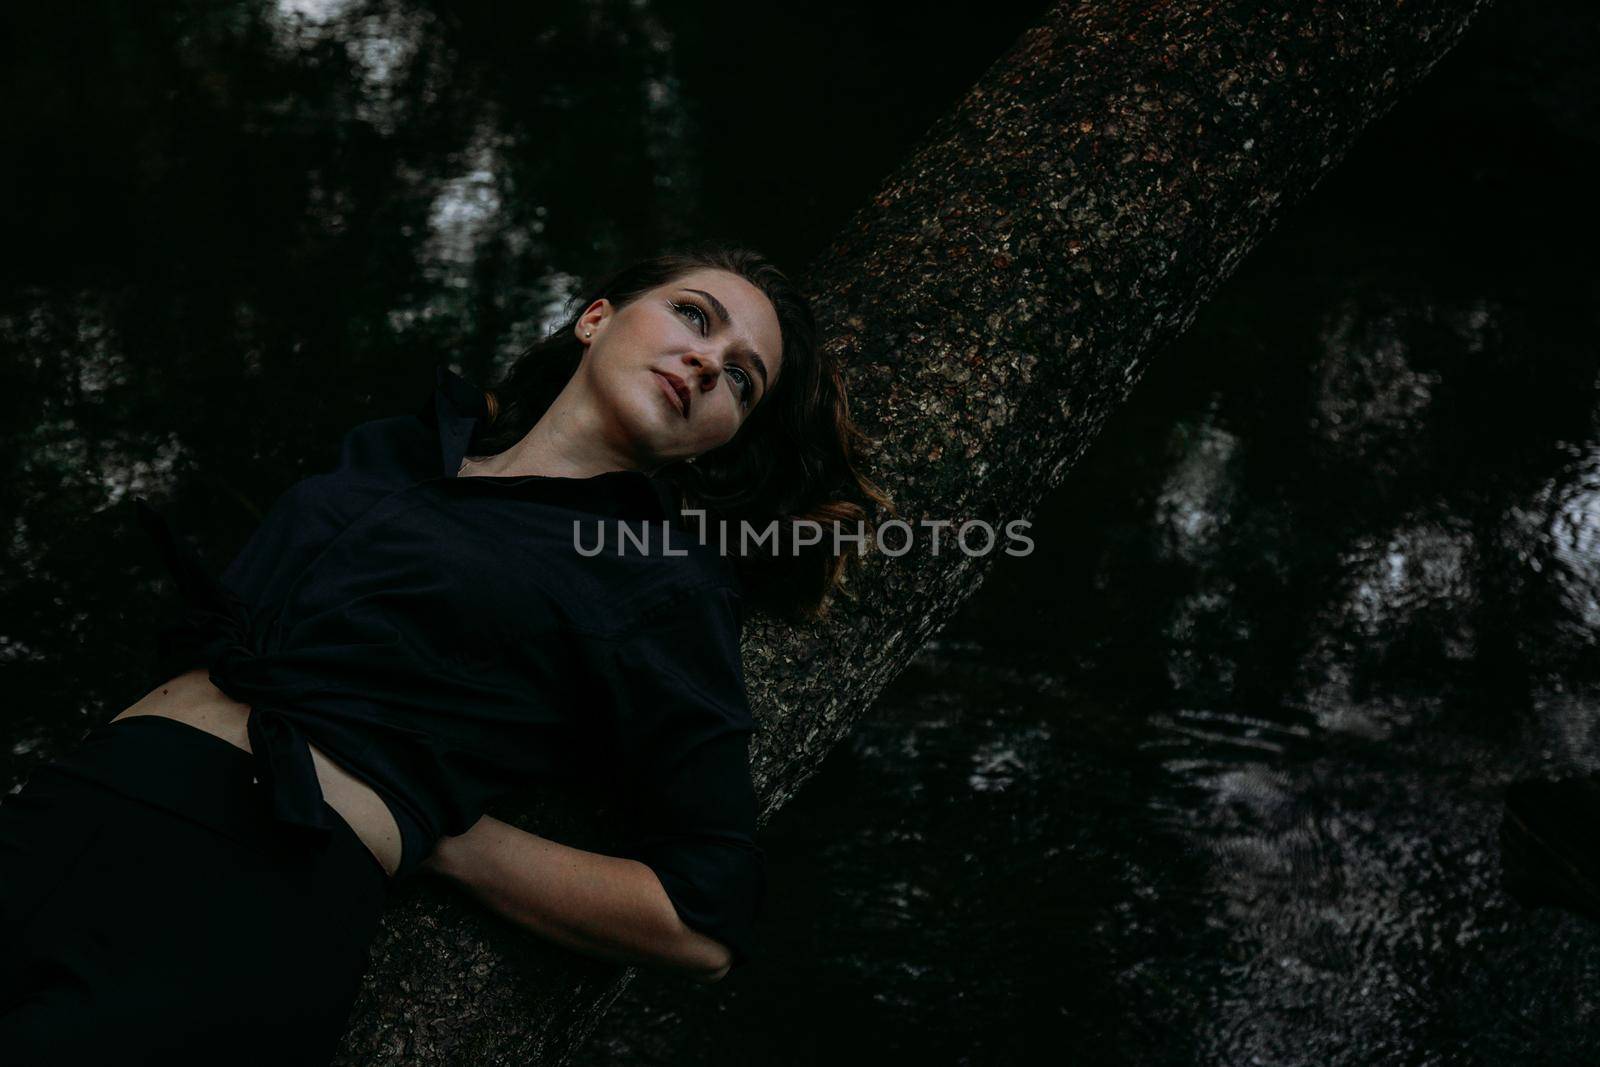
(444, 640)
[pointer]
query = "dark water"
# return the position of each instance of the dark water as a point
(1211, 777)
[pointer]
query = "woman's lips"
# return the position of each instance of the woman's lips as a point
(674, 387)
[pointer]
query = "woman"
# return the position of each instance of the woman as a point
(415, 634)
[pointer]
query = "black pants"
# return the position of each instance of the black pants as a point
(151, 911)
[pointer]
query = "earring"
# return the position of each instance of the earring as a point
(586, 333)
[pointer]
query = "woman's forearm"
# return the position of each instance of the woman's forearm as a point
(599, 905)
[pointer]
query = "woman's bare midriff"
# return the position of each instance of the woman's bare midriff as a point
(192, 698)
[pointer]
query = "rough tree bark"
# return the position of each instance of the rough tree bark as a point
(994, 303)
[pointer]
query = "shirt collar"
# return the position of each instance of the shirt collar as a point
(458, 408)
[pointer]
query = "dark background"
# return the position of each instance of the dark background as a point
(1211, 777)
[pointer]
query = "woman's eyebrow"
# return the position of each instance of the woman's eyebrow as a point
(727, 320)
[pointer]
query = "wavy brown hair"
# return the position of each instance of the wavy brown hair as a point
(793, 460)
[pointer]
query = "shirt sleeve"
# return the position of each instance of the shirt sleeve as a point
(672, 703)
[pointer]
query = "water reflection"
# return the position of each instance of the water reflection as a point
(1562, 521)
(380, 42)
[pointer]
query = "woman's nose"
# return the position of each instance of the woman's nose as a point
(707, 368)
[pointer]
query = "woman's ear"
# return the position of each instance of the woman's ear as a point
(592, 320)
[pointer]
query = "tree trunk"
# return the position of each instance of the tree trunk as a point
(993, 304)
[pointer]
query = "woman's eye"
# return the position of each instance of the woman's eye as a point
(747, 386)
(692, 311)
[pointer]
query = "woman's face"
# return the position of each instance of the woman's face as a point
(680, 368)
